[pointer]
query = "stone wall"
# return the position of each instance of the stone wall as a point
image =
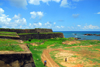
(28, 36)
(48, 36)
(8, 37)
(16, 60)
(43, 30)
(26, 30)
(20, 30)
(41, 36)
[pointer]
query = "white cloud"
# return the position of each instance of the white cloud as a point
(45, 1)
(16, 16)
(20, 26)
(37, 24)
(35, 2)
(75, 15)
(56, 1)
(30, 24)
(63, 3)
(91, 27)
(62, 26)
(79, 25)
(76, 0)
(57, 26)
(1, 11)
(19, 3)
(20, 21)
(14, 22)
(40, 24)
(54, 23)
(98, 13)
(4, 20)
(35, 14)
(40, 14)
(48, 24)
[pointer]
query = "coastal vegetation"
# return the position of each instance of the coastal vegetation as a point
(9, 45)
(87, 53)
(12, 34)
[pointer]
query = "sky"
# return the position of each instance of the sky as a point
(58, 15)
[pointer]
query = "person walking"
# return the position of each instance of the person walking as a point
(45, 62)
(65, 59)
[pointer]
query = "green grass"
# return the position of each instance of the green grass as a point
(25, 33)
(52, 54)
(10, 34)
(9, 45)
(36, 55)
(39, 49)
(5, 32)
(58, 43)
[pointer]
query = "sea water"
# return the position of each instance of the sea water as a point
(80, 34)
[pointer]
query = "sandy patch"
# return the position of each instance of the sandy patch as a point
(70, 42)
(33, 44)
(73, 60)
(50, 46)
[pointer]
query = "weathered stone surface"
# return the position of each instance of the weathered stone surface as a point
(77, 38)
(8, 37)
(88, 34)
(98, 35)
(15, 64)
(41, 36)
(26, 30)
(16, 60)
(29, 65)
(2, 64)
(92, 34)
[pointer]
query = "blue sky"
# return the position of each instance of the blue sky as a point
(58, 15)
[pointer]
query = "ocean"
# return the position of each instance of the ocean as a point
(80, 34)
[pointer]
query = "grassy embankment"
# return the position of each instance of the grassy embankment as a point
(12, 34)
(87, 55)
(9, 45)
(37, 50)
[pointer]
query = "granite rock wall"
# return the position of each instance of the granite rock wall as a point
(8, 37)
(27, 30)
(41, 36)
(16, 60)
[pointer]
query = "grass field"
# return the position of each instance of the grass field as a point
(12, 34)
(9, 45)
(5, 32)
(86, 53)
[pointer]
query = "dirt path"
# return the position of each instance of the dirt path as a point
(46, 56)
(52, 63)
